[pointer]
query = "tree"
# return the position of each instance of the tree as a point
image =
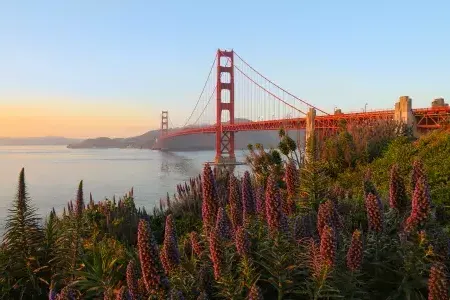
(22, 245)
(313, 180)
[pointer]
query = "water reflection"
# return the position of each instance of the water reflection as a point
(164, 166)
(172, 162)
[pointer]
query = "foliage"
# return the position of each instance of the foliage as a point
(341, 223)
(432, 149)
(263, 163)
(22, 247)
(339, 152)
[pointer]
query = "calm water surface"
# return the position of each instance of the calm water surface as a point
(52, 174)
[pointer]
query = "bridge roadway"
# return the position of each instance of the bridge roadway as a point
(426, 119)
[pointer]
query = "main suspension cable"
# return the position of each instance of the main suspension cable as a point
(203, 90)
(287, 92)
(267, 91)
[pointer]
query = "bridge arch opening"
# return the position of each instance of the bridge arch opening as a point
(224, 61)
(225, 117)
(225, 77)
(225, 96)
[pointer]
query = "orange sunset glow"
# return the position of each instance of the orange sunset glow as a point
(69, 120)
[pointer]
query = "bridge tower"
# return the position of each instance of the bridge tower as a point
(403, 113)
(225, 102)
(310, 135)
(164, 123)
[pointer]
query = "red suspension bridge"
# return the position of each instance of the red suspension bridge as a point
(236, 97)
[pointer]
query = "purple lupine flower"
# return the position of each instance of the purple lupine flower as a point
(260, 202)
(417, 172)
(397, 192)
(153, 274)
(235, 202)
(336, 192)
(291, 178)
(368, 185)
(421, 203)
(52, 295)
(325, 216)
(197, 247)
(169, 204)
(142, 290)
(215, 172)
(66, 293)
(70, 207)
(80, 201)
(275, 216)
(242, 240)
(215, 250)
(209, 203)
(437, 282)
(284, 224)
(132, 281)
(163, 257)
(328, 215)
(122, 294)
(355, 252)
(91, 201)
(223, 224)
(255, 293)
(314, 259)
(297, 228)
(169, 229)
(328, 246)
(248, 197)
(161, 205)
(224, 188)
(374, 213)
(170, 253)
(180, 191)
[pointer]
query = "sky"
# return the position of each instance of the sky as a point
(107, 68)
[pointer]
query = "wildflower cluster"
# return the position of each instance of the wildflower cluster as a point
(265, 235)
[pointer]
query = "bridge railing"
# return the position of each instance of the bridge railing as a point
(436, 109)
(362, 111)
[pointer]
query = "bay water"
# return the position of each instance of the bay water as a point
(52, 174)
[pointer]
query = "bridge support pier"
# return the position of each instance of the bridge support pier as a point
(310, 134)
(225, 164)
(403, 113)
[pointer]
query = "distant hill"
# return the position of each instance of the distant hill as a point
(36, 141)
(183, 143)
(145, 140)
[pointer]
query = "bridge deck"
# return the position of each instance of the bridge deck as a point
(426, 119)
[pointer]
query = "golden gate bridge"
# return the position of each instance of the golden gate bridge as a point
(236, 97)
